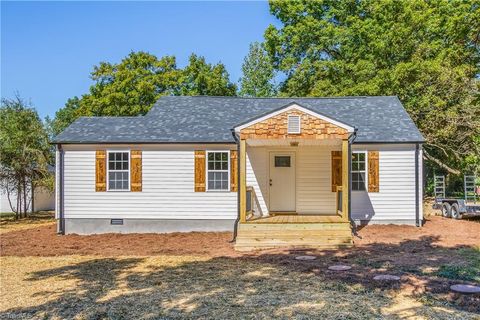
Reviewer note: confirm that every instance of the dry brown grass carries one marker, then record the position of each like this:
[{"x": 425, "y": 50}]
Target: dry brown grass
[
  {"x": 8, "y": 224},
  {"x": 83, "y": 287},
  {"x": 197, "y": 275}
]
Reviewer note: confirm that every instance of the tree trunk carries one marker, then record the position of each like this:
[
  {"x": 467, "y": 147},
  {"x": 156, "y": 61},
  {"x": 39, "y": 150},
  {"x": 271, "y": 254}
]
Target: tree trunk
[
  {"x": 32, "y": 191},
  {"x": 18, "y": 214},
  {"x": 24, "y": 197}
]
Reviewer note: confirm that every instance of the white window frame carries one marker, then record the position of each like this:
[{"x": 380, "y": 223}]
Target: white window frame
[
  {"x": 357, "y": 171},
  {"x": 207, "y": 171},
  {"x": 299, "y": 117},
  {"x": 108, "y": 170}
]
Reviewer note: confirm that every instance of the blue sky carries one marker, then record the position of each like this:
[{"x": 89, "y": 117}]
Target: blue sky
[{"x": 48, "y": 49}]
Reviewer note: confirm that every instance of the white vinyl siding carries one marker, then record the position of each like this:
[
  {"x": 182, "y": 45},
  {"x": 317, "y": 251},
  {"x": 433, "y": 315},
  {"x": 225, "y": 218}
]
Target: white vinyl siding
[
  {"x": 167, "y": 187},
  {"x": 396, "y": 198},
  {"x": 395, "y": 201},
  {"x": 168, "y": 184},
  {"x": 313, "y": 175},
  {"x": 314, "y": 191},
  {"x": 257, "y": 173}
]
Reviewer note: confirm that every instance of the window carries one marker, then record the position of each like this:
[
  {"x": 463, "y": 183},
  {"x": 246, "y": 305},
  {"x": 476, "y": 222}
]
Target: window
[
  {"x": 218, "y": 170},
  {"x": 282, "y": 161},
  {"x": 118, "y": 171},
  {"x": 293, "y": 124},
  {"x": 358, "y": 171}
]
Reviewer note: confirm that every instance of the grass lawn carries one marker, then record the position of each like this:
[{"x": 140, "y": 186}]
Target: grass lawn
[
  {"x": 124, "y": 284},
  {"x": 8, "y": 222}
]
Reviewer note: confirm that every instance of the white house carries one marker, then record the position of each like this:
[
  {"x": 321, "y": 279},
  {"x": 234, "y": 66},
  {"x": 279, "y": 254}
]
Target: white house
[
  {"x": 277, "y": 171},
  {"x": 43, "y": 200}
]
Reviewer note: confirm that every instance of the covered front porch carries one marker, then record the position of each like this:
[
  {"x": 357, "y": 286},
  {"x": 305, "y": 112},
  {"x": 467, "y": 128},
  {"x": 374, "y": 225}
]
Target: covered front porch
[{"x": 293, "y": 185}]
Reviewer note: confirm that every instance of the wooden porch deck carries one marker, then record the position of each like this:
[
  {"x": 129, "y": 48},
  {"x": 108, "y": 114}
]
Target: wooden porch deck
[{"x": 295, "y": 218}]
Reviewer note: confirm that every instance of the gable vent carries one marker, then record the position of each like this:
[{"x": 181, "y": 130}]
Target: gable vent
[{"x": 293, "y": 124}]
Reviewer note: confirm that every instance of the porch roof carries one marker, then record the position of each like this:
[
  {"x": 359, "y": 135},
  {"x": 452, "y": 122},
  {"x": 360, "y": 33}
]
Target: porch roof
[{"x": 204, "y": 119}]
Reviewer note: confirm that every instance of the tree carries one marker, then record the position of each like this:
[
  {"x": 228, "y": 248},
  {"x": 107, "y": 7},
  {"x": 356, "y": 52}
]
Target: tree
[
  {"x": 258, "y": 73},
  {"x": 131, "y": 87},
  {"x": 201, "y": 78},
  {"x": 64, "y": 116},
  {"x": 425, "y": 52},
  {"x": 25, "y": 153}
]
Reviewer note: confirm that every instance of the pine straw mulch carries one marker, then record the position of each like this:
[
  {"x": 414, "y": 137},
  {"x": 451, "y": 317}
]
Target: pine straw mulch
[{"x": 198, "y": 275}]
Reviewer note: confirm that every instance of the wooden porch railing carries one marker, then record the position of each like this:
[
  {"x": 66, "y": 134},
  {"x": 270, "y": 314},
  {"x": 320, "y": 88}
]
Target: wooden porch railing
[
  {"x": 252, "y": 205},
  {"x": 339, "y": 200}
]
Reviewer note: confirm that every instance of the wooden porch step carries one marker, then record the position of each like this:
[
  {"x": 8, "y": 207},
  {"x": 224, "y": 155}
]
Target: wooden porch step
[
  {"x": 301, "y": 241},
  {"x": 318, "y": 235},
  {"x": 292, "y": 245}
]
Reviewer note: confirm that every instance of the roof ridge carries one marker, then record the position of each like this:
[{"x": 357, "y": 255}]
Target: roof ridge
[
  {"x": 279, "y": 98},
  {"x": 109, "y": 117}
]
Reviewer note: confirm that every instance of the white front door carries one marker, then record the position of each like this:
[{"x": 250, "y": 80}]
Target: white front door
[{"x": 282, "y": 181}]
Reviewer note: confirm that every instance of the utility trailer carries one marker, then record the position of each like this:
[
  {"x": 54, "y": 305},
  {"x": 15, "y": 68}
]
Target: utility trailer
[{"x": 457, "y": 208}]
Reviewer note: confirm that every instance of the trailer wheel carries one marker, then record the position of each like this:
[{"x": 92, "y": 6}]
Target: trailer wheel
[
  {"x": 455, "y": 210},
  {"x": 446, "y": 210}
]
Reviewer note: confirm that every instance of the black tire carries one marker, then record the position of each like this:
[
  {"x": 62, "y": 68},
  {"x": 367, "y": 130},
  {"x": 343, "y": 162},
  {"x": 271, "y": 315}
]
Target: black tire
[
  {"x": 446, "y": 210},
  {"x": 455, "y": 211}
]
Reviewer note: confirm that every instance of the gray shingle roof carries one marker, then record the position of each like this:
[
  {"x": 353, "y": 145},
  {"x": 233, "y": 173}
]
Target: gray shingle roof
[{"x": 210, "y": 120}]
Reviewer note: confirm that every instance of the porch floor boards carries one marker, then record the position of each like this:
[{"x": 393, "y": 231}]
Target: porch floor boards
[{"x": 310, "y": 218}]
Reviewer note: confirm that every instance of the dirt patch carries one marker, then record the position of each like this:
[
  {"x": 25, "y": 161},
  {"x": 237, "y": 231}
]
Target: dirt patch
[
  {"x": 445, "y": 232},
  {"x": 43, "y": 240}
]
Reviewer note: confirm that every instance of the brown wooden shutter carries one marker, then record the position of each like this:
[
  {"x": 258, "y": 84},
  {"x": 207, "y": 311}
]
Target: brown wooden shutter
[
  {"x": 100, "y": 171},
  {"x": 373, "y": 171},
  {"x": 136, "y": 170},
  {"x": 200, "y": 171},
  {"x": 336, "y": 170},
  {"x": 233, "y": 170}
]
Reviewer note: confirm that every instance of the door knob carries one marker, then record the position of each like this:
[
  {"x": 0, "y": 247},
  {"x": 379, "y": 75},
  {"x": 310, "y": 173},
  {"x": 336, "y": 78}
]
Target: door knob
[{"x": 270, "y": 182}]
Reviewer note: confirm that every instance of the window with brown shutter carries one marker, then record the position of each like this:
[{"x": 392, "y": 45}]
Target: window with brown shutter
[
  {"x": 100, "y": 171},
  {"x": 233, "y": 170},
  {"x": 136, "y": 170},
  {"x": 373, "y": 171},
  {"x": 200, "y": 167},
  {"x": 336, "y": 170}
]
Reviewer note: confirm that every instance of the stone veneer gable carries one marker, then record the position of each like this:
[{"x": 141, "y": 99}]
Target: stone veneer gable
[{"x": 275, "y": 127}]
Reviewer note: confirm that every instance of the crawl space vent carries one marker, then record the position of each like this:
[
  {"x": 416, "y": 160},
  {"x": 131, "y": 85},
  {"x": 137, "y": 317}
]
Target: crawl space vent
[{"x": 116, "y": 222}]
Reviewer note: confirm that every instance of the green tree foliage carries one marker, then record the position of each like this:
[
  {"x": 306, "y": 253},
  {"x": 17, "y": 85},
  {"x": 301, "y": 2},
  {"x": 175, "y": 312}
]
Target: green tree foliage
[
  {"x": 258, "y": 73},
  {"x": 25, "y": 153},
  {"x": 425, "y": 52},
  {"x": 131, "y": 87},
  {"x": 204, "y": 79},
  {"x": 64, "y": 116}
]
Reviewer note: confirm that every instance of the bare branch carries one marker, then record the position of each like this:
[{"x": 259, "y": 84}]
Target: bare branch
[{"x": 441, "y": 164}]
